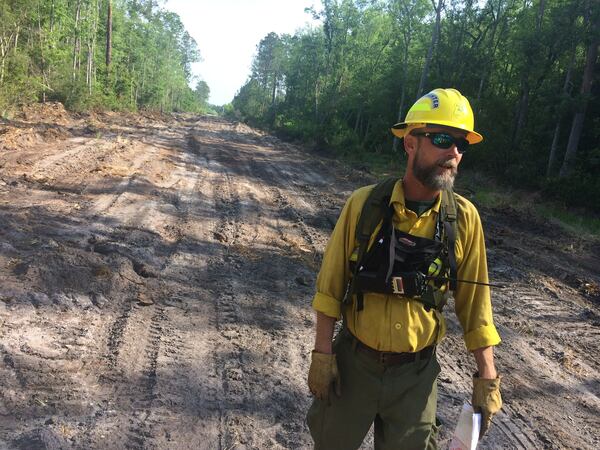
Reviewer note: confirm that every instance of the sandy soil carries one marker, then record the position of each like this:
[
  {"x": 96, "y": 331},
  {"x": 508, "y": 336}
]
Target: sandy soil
[{"x": 155, "y": 283}]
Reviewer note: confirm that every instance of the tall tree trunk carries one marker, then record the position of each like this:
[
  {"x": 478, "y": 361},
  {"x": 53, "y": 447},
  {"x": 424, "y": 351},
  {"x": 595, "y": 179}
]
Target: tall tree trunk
[
  {"x": 273, "y": 96},
  {"x": 109, "y": 35},
  {"x": 89, "y": 75},
  {"x": 367, "y": 129},
  {"x": 523, "y": 109},
  {"x": 358, "y": 120},
  {"x": 565, "y": 90},
  {"x": 77, "y": 40},
  {"x": 317, "y": 101},
  {"x": 488, "y": 66},
  {"x": 274, "y": 89},
  {"x": 577, "y": 125},
  {"x": 52, "y": 17},
  {"x": 17, "y": 31},
  {"x": 132, "y": 87},
  {"x": 42, "y": 54},
  {"x": 520, "y": 115},
  {"x": 434, "y": 39},
  {"x": 88, "y": 69},
  {"x": 2, "y": 59},
  {"x": 458, "y": 69},
  {"x": 540, "y": 17}
]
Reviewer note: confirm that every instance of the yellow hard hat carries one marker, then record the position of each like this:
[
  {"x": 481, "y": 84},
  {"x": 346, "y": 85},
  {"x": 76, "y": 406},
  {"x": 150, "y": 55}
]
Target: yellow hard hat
[{"x": 446, "y": 107}]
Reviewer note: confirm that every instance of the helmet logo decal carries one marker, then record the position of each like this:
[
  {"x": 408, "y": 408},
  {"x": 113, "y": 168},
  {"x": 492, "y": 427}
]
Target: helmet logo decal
[
  {"x": 435, "y": 100},
  {"x": 460, "y": 110}
]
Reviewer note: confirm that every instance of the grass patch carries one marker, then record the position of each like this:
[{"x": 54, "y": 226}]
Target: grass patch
[
  {"x": 381, "y": 165},
  {"x": 577, "y": 221},
  {"x": 484, "y": 191}
]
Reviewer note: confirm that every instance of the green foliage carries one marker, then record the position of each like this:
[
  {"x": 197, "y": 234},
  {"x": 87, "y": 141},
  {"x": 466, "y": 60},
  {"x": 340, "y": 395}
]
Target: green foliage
[
  {"x": 202, "y": 92},
  {"x": 56, "y": 51},
  {"x": 576, "y": 190},
  {"x": 251, "y": 102},
  {"x": 487, "y": 192},
  {"x": 340, "y": 86}
]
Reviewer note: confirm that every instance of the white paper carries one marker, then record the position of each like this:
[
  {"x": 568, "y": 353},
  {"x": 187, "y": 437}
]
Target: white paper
[{"x": 466, "y": 433}]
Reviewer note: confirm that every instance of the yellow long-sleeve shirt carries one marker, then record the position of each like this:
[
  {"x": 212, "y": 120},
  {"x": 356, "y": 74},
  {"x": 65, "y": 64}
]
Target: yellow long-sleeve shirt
[{"x": 396, "y": 324}]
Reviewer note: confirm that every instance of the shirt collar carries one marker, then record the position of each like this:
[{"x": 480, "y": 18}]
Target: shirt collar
[{"x": 398, "y": 197}]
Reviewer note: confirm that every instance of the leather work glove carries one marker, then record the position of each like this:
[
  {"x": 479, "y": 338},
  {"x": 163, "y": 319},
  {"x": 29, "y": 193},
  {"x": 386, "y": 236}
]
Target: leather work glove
[
  {"x": 323, "y": 371},
  {"x": 486, "y": 400}
]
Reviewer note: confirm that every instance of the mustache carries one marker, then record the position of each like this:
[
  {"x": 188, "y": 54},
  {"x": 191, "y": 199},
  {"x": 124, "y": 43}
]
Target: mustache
[{"x": 451, "y": 162}]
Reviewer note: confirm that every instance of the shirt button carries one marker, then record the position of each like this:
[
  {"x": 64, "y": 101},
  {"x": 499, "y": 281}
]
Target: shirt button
[{"x": 398, "y": 326}]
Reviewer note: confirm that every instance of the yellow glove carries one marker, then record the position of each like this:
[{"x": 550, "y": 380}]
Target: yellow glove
[
  {"x": 323, "y": 371},
  {"x": 486, "y": 400}
]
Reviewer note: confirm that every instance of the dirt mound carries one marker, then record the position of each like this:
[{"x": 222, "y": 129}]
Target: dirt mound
[
  {"x": 15, "y": 137},
  {"x": 35, "y": 124},
  {"x": 50, "y": 112}
]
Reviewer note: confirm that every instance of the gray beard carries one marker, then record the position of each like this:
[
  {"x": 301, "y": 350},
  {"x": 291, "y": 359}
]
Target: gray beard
[{"x": 429, "y": 177}]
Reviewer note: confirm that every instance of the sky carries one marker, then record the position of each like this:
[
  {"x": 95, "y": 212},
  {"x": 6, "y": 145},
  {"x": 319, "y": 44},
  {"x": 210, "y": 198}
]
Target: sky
[{"x": 228, "y": 31}]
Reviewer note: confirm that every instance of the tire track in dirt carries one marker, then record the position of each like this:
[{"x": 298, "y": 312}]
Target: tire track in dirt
[
  {"x": 228, "y": 369},
  {"x": 250, "y": 318},
  {"x": 142, "y": 423},
  {"x": 115, "y": 335},
  {"x": 180, "y": 383},
  {"x": 140, "y": 336}
]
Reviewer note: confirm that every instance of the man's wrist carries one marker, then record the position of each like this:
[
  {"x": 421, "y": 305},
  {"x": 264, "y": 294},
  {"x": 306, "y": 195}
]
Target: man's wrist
[
  {"x": 323, "y": 349},
  {"x": 484, "y": 357},
  {"x": 487, "y": 374}
]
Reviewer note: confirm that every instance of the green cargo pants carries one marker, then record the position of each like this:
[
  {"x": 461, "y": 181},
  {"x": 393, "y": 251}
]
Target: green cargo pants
[{"x": 401, "y": 400}]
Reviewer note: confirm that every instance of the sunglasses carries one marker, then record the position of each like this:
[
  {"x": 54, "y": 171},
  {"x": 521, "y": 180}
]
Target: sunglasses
[{"x": 445, "y": 141}]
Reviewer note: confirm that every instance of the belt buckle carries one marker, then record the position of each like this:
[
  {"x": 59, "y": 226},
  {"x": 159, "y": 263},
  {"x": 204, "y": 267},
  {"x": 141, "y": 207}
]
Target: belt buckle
[{"x": 397, "y": 285}]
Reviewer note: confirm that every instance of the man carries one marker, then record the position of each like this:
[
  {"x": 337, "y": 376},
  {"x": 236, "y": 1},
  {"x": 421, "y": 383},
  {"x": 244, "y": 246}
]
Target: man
[{"x": 382, "y": 366}]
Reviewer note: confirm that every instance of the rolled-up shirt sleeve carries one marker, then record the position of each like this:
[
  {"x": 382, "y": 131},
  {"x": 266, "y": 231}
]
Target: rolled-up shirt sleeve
[
  {"x": 335, "y": 269},
  {"x": 473, "y": 302}
]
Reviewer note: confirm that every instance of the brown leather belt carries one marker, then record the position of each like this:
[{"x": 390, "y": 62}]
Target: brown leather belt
[{"x": 393, "y": 358}]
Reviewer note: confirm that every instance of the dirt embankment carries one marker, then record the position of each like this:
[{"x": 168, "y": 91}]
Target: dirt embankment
[{"x": 155, "y": 282}]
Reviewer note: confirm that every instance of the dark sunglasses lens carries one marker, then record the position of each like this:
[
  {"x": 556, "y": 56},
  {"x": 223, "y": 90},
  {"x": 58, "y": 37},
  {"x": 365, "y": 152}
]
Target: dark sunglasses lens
[
  {"x": 445, "y": 141},
  {"x": 442, "y": 140},
  {"x": 462, "y": 145}
]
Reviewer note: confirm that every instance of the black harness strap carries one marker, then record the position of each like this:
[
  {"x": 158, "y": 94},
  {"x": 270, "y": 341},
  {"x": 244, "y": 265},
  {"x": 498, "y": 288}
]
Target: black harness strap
[
  {"x": 389, "y": 222},
  {"x": 449, "y": 216},
  {"x": 373, "y": 211}
]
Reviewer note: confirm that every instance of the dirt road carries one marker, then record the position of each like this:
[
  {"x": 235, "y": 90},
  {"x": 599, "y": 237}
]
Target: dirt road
[{"x": 155, "y": 281}]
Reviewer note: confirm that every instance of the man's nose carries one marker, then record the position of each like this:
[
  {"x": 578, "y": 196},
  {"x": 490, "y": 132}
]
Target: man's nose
[{"x": 453, "y": 151}]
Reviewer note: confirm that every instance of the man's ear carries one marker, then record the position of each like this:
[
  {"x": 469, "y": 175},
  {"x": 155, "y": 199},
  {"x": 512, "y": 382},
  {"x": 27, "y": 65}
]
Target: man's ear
[{"x": 410, "y": 144}]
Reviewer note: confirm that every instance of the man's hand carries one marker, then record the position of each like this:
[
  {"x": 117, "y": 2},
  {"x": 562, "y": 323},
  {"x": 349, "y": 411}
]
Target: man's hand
[
  {"x": 323, "y": 371},
  {"x": 486, "y": 400}
]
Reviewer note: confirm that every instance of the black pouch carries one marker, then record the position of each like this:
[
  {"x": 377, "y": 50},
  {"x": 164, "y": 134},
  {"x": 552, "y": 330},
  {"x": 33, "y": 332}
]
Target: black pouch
[
  {"x": 414, "y": 252},
  {"x": 397, "y": 262}
]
